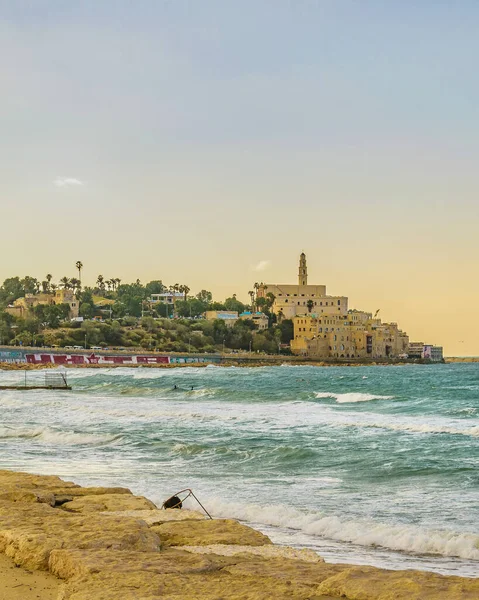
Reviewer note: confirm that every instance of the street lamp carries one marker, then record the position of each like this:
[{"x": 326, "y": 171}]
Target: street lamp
[
  {"x": 189, "y": 344},
  {"x": 250, "y": 342},
  {"x": 224, "y": 345}
]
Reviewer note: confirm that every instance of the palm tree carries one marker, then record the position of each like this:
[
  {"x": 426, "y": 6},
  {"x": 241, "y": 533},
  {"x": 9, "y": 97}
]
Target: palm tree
[
  {"x": 310, "y": 305},
  {"x": 100, "y": 281},
  {"x": 186, "y": 289},
  {"x": 75, "y": 283},
  {"x": 251, "y": 294},
  {"x": 79, "y": 266},
  {"x": 176, "y": 289},
  {"x": 45, "y": 287},
  {"x": 65, "y": 283},
  {"x": 53, "y": 287},
  {"x": 49, "y": 278}
]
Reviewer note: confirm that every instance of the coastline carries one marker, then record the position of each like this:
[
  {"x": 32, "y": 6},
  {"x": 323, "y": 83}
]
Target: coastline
[
  {"x": 224, "y": 362},
  {"x": 108, "y": 543}
]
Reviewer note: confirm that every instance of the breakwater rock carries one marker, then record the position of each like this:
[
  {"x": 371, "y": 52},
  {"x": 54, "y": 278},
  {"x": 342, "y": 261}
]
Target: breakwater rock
[{"x": 107, "y": 544}]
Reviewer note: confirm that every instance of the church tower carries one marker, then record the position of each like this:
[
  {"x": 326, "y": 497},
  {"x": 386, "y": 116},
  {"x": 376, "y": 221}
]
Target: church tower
[{"x": 303, "y": 270}]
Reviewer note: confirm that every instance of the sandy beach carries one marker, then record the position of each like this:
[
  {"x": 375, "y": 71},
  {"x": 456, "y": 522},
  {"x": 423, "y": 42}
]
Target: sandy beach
[
  {"x": 67, "y": 542},
  {"x": 21, "y": 584}
]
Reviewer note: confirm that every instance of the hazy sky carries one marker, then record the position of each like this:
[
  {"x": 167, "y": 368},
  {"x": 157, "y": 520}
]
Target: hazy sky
[{"x": 191, "y": 141}]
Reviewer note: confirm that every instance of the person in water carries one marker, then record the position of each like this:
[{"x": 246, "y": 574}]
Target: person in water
[{"x": 175, "y": 387}]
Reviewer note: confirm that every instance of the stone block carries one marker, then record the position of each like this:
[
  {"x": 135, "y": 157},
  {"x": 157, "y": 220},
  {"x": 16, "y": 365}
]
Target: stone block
[
  {"x": 268, "y": 551},
  {"x": 73, "y": 562},
  {"x": 216, "y": 585},
  {"x": 109, "y": 502},
  {"x": 209, "y": 531},
  {"x": 370, "y": 583},
  {"x": 29, "y": 542},
  {"x": 156, "y": 517}
]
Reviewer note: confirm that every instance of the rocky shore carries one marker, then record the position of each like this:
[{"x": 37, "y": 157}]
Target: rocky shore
[{"x": 107, "y": 544}]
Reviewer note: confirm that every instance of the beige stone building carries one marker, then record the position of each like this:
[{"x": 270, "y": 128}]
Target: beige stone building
[
  {"x": 260, "y": 320},
  {"x": 326, "y": 336},
  {"x": 22, "y": 306},
  {"x": 291, "y": 300},
  {"x": 325, "y": 327},
  {"x": 228, "y": 316}
]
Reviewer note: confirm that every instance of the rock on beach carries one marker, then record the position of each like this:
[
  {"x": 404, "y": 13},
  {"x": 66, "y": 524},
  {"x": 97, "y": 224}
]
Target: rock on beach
[{"x": 108, "y": 544}]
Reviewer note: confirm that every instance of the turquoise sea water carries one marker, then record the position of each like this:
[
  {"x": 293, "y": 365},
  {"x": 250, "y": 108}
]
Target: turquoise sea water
[{"x": 373, "y": 465}]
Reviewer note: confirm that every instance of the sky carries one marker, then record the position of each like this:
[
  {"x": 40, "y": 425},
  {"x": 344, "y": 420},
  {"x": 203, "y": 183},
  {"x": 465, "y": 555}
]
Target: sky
[{"x": 209, "y": 142}]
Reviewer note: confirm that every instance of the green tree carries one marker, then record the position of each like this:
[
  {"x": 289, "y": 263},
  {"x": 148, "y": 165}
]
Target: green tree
[
  {"x": 287, "y": 331},
  {"x": 30, "y": 285},
  {"x": 234, "y": 304},
  {"x": 191, "y": 308},
  {"x": 11, "y": 289},
  {"x": 205, "y": 297}
]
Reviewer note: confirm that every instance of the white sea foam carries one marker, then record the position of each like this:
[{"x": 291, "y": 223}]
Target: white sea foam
[
  {"x": 352, "y": 397},
  {"x": 53, "y": 436},
  {"x": 403, "y": 538},
  {"x": 424, "y": 428}
]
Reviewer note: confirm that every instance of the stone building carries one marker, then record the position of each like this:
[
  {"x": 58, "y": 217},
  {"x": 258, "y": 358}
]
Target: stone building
[
  {"x": 324, "y": 326},
  {"x": 291, "y": 300},
  {"x": 22, "y": 306},
  {"x": 341, "y": 336}
]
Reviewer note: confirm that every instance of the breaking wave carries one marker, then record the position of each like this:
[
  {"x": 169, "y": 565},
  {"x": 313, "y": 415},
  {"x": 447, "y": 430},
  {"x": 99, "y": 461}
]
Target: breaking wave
[
  {"x": 352, "y": 397},
  {"x": 402, "y": 538},
  {"x": 52, "y": 436},
  {"x": 411, "y": 427}
]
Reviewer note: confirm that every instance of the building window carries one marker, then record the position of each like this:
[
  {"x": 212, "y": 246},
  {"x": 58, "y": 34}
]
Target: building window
[{"x": 339, "y": 301}]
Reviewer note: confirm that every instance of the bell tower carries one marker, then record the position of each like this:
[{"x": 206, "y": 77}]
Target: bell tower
[{"x": 303, "y": 270}]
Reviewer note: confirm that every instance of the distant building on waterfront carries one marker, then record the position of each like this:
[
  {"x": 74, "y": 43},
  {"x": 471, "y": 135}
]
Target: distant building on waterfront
[
  {"x": 420, "y": 350},
  {"x": 22, "y": 306},
  {"x": 354, "y": 335},
  {"x": 325, "y": 327}
]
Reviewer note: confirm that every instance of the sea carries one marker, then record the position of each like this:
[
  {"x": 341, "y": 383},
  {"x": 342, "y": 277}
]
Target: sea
[{"x": 375, "y": 465}]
